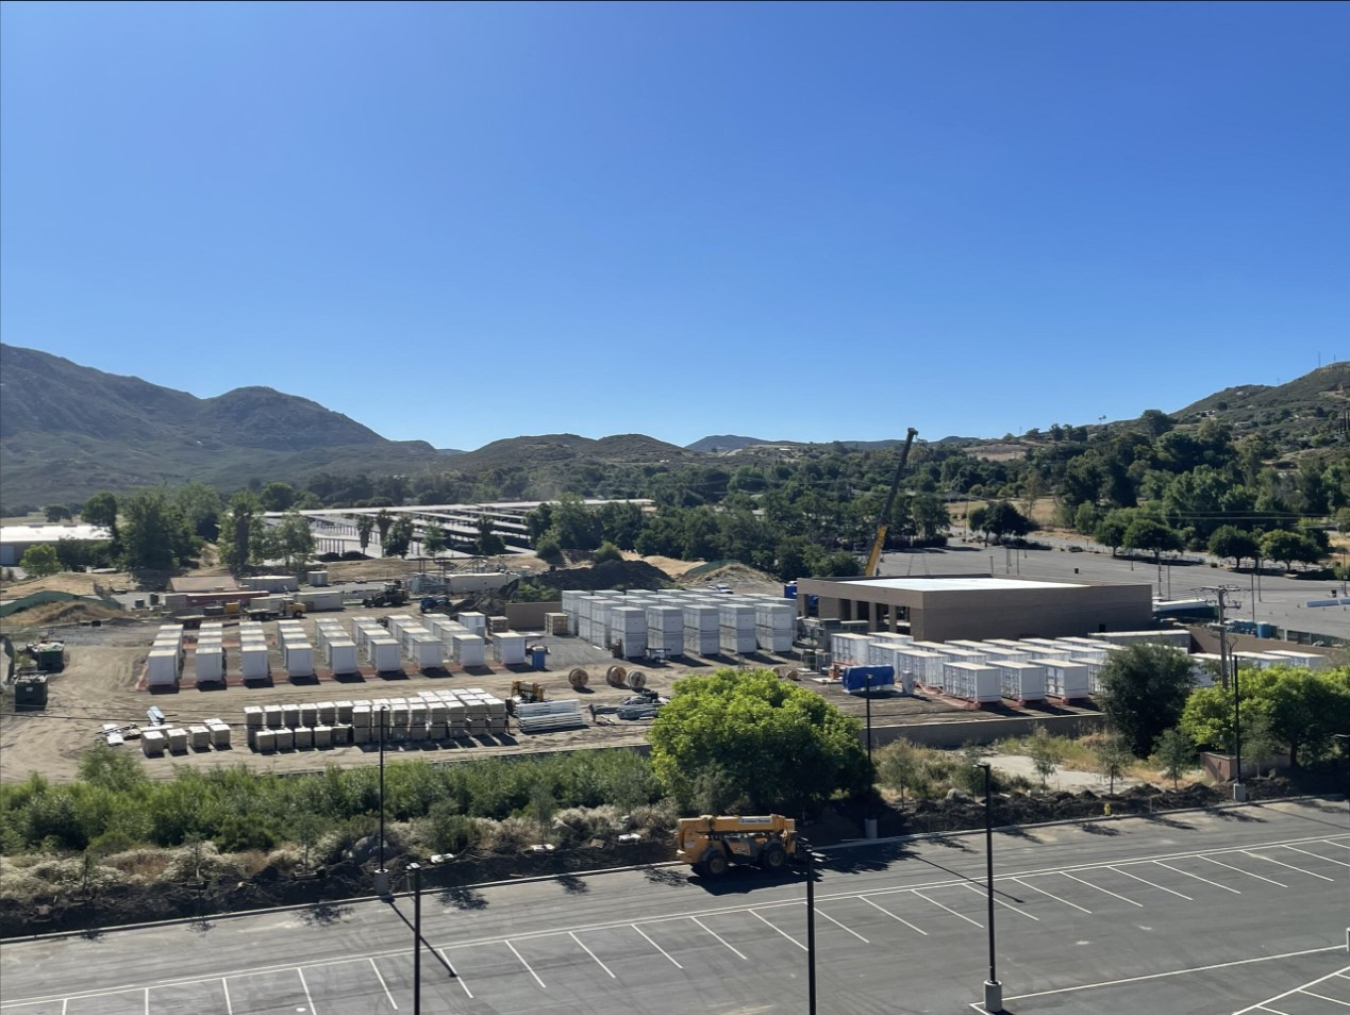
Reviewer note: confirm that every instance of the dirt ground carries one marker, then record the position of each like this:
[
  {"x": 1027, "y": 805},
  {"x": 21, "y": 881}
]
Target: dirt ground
[
  {"x": 77, "y": 583},
  {"x": 103, "y": 683}
]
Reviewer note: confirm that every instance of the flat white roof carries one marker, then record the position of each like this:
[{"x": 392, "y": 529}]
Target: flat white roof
[
  {"x": 49, "y": 533},
  {"x": 959, "y": 584}
]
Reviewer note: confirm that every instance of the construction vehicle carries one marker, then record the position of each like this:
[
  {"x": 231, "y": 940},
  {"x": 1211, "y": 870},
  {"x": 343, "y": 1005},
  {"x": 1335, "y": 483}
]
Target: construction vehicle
[
  {"x": 711, "y": 844},
  {"x": 393, "y": 594},
  {"x": 292, "y": 611},
  {"x": 884, "y": 519}
]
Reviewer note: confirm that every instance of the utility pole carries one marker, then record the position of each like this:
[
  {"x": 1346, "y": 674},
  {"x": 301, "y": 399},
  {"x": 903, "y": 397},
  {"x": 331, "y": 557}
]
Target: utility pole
[{"x": 1228, "y": 666}]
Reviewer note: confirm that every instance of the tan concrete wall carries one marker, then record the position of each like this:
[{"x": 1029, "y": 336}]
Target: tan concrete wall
[{"x": 530, "y": 616}]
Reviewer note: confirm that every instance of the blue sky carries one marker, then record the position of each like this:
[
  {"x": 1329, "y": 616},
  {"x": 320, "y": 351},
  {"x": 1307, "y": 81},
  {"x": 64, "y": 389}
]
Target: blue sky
[{"x": 464, "y": 222}]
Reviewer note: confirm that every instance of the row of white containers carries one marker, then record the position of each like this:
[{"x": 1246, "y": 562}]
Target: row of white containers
[
  {"x": 165, "y": 663},
  {"x": 431, "y": 715},
  {"x": 175, "y": 740},
  {"x": 671, "y": 623},
  {"x": 1026, "y": 670}
]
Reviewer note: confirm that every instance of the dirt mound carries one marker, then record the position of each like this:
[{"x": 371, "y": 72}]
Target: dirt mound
[
  {"x": 77, "y": 583},
  {"x": 738, "y": 576},
  {"x": 55, "y": 614},
  {"x": 631, "y": 574}
]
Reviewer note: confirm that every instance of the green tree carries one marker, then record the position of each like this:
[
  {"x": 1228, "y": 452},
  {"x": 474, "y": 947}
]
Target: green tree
[
  {"x": 56, "y": 512},
  {"x": 576, "y": 525},
  {"x": 1147, "y": 534},
  {"x": 1113, "y": 758},
  {"x": 199, "y": 505},
  {"x": 779, "y": 746},
  {"x": 1156, "y": 422},
  {"x": 607, "y": 552},
  {"x": 1175, "y": 754},
  {"x": 1043, "y": 754},
  {"x": 365, "y": 525},
  {"x": 398, "y": 540},
  {"x": 489, "y": 543},
  {"x": 433, "y": 538},
  {"x": 155, "y": 534},
  {"x": 1230, "y": 541},
  {"x": 236, "y": 549},
  {"x": 931, "y": 518},
  {"x": 277, "y": 496},
  {"x": 1145, "y": 688},
  {"x": 899, "y": 766},
  {"x": 1110, "y": 531},
  {"x": 295, "y": 540},
  {"x": 998, "y": 520},
  {"x": 546, "y": 548},
  {"x": 1289, "y": 547},
  {"x": 384, "y": 521},
  {"x": 101, "y": 510},
  {"x": 40, "y": 560}
]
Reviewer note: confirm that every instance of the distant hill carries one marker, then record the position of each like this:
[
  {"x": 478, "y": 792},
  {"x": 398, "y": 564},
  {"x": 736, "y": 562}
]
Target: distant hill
[
  {"x": 553, "y": 450},
  {"x": 726, "y": 442},
  {"x": 1290, "y": 415},
  {"x": 67, "y": 431}
]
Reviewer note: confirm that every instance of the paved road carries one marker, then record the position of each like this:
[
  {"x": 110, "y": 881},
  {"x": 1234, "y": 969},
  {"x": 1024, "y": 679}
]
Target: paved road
[
  {"x": 1207, "y": 913},
  {"x": 1281, "y": 600}
]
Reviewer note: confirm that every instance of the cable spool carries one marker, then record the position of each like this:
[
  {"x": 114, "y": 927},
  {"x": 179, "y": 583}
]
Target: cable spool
[
  {"x": 787, "y": 673},
  {"x": 637, "y": 680},
  {"x": 578, "y": 678},
  {"x": 616, "y": 676}
]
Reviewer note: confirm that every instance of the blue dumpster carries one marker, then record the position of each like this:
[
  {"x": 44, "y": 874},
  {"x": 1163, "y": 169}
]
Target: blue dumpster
[{"x": 537, "y": 655}]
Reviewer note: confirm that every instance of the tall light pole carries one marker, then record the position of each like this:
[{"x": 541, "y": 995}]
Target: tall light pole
[
  {"x": 1228, "y": 667},
  {"x": 993, "y": 990},
  {"x": 810, "y": 855},
  {"x": 870, "y": 822}
]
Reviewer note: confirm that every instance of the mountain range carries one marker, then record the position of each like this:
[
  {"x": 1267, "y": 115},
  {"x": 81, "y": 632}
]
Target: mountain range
[{"x": 67, "y": 431}]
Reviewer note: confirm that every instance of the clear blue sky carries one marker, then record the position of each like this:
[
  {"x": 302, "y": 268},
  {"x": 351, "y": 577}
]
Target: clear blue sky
[{"x": 465, "y": 222}]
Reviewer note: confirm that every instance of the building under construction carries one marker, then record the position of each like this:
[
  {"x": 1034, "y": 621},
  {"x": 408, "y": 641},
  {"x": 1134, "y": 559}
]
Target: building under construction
[{"x": 943, "y": 609}]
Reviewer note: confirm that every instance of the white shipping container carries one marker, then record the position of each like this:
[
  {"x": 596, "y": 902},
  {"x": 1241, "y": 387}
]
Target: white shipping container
[
  {"x": 1021, "y": 681},
  {"x": 772, "y": 639},
  {"x": 341, "y": 654},
  {"x": 739, "y": 616},
  {"x": 384, "y": 655},
  {"x": 299, "y": 660},
  {"x": 739, "y": 640},
  {"x": 1304, "y": 660},
  {"x": 1064, "y": 678},
  {"x": 162, "y": 667},
  {"x": 469, "y": 649},
  {"x": 253, "y": 662},
  {"x": 210, "y": 664}
]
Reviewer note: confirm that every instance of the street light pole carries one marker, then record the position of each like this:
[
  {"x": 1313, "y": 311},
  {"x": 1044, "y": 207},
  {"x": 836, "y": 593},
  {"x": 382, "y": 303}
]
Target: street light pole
[
  {"x": 870, "y": 822},
  {"x": 810, "y": 926},
  {"x": 993, "y": 990},
  {"x": 416, "y": 869}
]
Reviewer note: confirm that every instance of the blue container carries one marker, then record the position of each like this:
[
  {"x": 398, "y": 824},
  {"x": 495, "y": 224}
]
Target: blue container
[
  {"x": 537, "y": 655},
  {"x": 860, "y": 678},
  {"x": 1264, "y": 630},
  {"x": 790, "y": 590}
]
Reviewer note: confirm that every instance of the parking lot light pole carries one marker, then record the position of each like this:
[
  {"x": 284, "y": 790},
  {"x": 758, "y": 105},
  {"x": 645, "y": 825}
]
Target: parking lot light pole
[
  {"x": 1344, "y": 738},
  {"x": 805, "y": 848},
  {"x": 416, "y": 869},
  {"x": 993, "y": 990}
]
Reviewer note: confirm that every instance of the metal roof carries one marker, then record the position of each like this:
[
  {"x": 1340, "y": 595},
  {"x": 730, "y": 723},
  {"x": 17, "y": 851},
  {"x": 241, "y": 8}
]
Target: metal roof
[
  {"x": 959, "y": 584},
  {"x": 49, "y": 533}
]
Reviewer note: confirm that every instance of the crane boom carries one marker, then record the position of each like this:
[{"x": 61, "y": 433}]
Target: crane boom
[{"x": 883, "y": 520}]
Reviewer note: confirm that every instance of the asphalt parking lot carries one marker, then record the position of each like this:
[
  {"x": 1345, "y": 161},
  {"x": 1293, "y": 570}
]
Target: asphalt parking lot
[{"x": 1239, "y": 911}]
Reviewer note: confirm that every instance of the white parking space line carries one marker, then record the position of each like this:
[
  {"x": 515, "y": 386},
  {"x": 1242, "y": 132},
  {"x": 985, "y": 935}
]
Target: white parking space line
[
  {"x": 662, "y": 950},
  {"x": 714, "y": 934},
  {"x": 1050, "y": 895},
  {"x": 1301, "y": 989},
  {"x": 821, "y": 912},
  {"x": 392, "y": 1003},
  {"x": 147, "y": 1001},
  {"x": 1259, "y": 877},
  {"x": 1145, "y": 881},
  {"x": 1330, "y": 843},
  {"x": 1271, "y": 859},
  {"x": 309, "y": 999},
  {"x": 1323, "y": 997},
  {"x": 525, "y": 964},
  {"x": 229, "y": 1007},
  {"x": 1317, "y": 856},
  {"x": 1273, "y": 1011},
  {"x": 776, "y": 929},
  {"x": 1186, "y": 972},
  {"x": 950, "y": 910},
  {"x": 984, "y": 893},
  {"x": 458, "y": 979},
  {"x": 1105, "y": 891},
  {"x": 1197, "y": 877},
  {"x": 592, "y": 955},
  {"x": 911, "y": 926}
]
